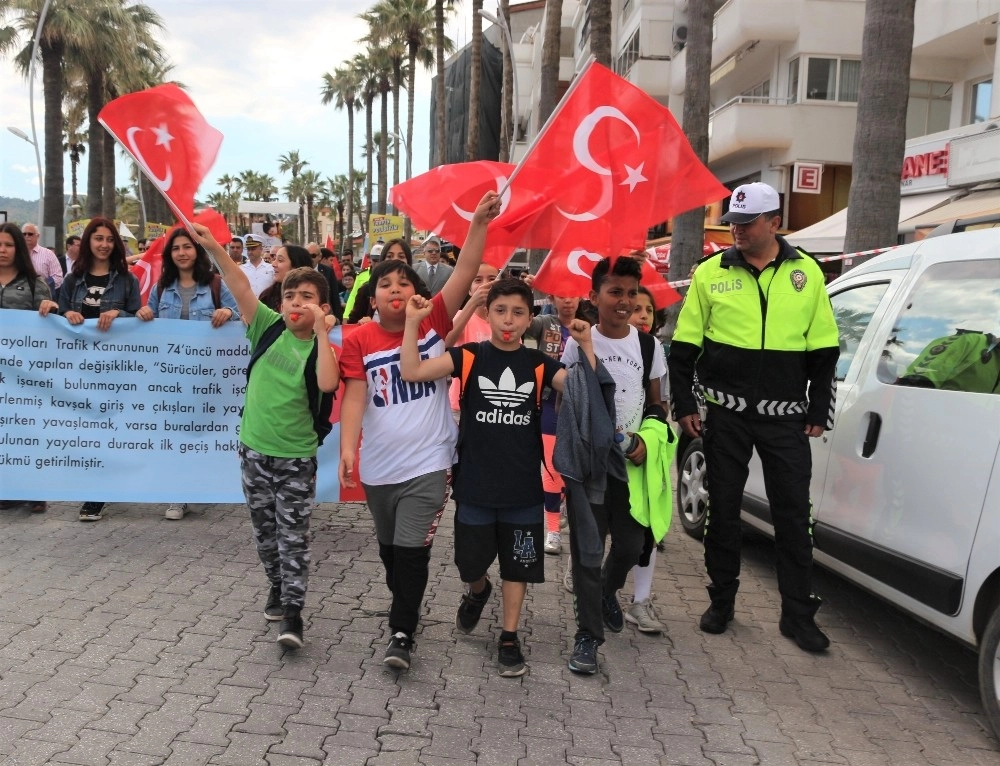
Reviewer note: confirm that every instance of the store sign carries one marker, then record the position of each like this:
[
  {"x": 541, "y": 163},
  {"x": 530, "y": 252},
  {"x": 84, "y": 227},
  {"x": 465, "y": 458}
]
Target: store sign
[
  {"x": 974, "y": 159},
  {"x": 925, "y": 168},
  {"x": 807, "y": 177}
]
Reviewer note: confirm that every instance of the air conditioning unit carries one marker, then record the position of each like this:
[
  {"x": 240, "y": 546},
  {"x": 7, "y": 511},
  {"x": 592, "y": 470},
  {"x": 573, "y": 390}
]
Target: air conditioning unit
[{"x": 680, "y": 34}]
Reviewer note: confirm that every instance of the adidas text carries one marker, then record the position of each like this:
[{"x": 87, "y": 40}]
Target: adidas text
[{"x": 507, "y": 418}]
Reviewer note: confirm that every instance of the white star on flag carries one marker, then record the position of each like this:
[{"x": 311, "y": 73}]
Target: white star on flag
[
  {"x": 163, "y": 137},
  {"x": 635, "y": 177}
]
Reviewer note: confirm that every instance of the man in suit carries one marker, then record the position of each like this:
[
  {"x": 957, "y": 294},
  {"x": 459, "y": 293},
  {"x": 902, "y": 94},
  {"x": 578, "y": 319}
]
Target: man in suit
[{"x": 432, "y": 269}]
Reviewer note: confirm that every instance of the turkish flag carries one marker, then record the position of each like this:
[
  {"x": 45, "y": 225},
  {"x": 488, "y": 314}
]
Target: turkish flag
[
  {"x": 338, "y": 270},
  {"x": 611, "y": 162},
  {"x": 444, "y": 199},
  {"x": 148, "y": 268},
  {"x": 566, "y": 271},
  {"x": 169, "y": 140}
]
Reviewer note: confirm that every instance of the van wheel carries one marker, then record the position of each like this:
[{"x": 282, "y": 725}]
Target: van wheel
[
  {"x": 692, "y": 490},
  {"x": 989, "y": 670}
]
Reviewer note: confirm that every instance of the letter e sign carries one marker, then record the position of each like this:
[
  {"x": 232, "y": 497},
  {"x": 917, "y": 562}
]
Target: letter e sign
[{"x": 808, "y": 176}]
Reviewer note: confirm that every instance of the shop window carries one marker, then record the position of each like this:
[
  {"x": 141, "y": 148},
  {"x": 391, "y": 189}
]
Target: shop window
[{"x": 826, "y": 79}]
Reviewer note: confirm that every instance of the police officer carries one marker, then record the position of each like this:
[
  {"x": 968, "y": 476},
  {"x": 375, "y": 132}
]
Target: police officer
[{"x": 758, "y": 328}]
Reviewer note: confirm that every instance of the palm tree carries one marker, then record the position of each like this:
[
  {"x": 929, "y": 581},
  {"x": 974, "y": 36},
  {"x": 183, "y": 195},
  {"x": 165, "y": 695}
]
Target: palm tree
[
  {"x": 440, "y": 8},
  {"x": 291, "y": 162},
  {"x": 390, "y": 42},
  {"x": 508, "y": 126},
  {"x": 688, "y": 238},
  {"x": 66, "y": 29},
  {"x": 342, "y": 88},
  {"x": 368, "y": 79},
  {"x": 550, "y": 60},
  {"x": 340, "y": 195},
  {"x": 880, "y": 137},
  {"x": 312, "y": 187},
  {"x": 600, "y": 31},
  {"x": 476, "y": 77},
  {"x": 75, "y": 144}
]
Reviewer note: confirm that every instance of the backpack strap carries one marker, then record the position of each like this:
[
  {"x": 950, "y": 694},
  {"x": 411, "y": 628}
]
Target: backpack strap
[
  {"x": 647, "y": 345},
  {"x": 468, "y": 359},
  {"x": 217, "y": 291},
  {"x": 267, "y": 339},
  {"x": 539, "y": 377}
]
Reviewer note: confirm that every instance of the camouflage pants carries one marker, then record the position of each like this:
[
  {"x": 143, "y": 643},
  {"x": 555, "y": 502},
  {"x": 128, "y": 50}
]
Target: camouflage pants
[{"x": 278, "y": 492}]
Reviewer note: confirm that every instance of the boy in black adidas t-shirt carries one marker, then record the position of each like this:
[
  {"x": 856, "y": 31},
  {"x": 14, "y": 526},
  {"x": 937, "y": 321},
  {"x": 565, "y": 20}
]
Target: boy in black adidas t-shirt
[{"x": 497, "y": 485}]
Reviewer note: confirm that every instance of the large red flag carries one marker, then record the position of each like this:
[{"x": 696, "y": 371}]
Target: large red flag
[
  {"x": 443, "y": 200},
  {"x": 566, "y": 271},
  {"x": 169, "y": 140},
  {"x": 611, "y": 163}
]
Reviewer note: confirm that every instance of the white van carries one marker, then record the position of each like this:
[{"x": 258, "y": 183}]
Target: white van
[{"x": 906, "y": 487}]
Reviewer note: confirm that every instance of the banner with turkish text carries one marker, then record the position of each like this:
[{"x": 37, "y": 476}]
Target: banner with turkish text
[{"x": 145, "y": 412}]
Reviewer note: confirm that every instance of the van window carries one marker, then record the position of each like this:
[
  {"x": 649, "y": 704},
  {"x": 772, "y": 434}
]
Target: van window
[
  {"x": 853, "y": 309},
  {"x": 947, "y": 335}
]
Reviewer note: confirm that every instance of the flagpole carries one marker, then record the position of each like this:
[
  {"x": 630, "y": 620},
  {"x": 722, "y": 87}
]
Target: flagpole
[{"x": 538, "y": 137}]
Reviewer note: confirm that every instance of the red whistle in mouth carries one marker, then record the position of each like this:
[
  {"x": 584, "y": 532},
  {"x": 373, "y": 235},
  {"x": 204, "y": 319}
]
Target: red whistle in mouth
[
  {"x": 506, "y": 337},
  {"x": 295, "y": 317},
  {"x": 396, "y": 304}
]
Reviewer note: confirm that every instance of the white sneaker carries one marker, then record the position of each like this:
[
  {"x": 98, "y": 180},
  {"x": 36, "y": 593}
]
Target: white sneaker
[
  {"x": 175, "y": 512},
  {"x": 643, "y": 615},
  {"x": 553, "y": 543}
]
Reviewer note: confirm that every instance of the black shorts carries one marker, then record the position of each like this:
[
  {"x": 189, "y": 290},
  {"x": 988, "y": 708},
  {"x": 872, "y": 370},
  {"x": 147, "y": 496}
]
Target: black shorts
[{"x": 515, "y": 536}]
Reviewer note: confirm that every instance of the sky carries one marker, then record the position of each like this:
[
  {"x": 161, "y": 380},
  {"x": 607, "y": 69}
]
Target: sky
[{"x": 254, "y": 69}]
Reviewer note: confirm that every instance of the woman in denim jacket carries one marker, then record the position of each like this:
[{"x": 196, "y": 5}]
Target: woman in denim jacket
[
  {"x": 187, "y": 288},
  {"x": 100, "y": 286}
]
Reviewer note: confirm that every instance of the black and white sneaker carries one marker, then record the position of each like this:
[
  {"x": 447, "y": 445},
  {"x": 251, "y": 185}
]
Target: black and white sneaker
[
  {"x": 291, "y": 629},
  {"x": 273, "y": 610},
  {"x": 510, "y": 661},
  {"x": 584, "y": 657},
  {"x": 611, "y": 611},
  {"x": 471, "y": 608},
  {"x": 397, "y": 655}
]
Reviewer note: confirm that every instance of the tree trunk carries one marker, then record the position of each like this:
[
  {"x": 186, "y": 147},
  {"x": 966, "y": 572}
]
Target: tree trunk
[
  {"x": 600, "y": 31},
  {"x": 397, "y": 73},
  {"x": 110, "y": 204},
  {"x": 383, "y": 152},
  {"x": 410, "y": 98},
  {"x": 880, "y": 135},
  {"x": 475, "y": 78},
  {"x": 95, "y": 150},
  {"x": 350, "y": 175},
  {"x": 688, "y": 237},
  {"x": 550, "y": 60},
  {"x": 508, "y": 116},
  {"x": 371, "y": 151},
  {"x": 440, "y": 95},
  {"x": 53, "y": 200}
]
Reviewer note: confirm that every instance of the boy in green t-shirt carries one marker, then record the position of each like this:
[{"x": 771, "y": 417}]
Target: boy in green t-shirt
[{"x": 277, "y": 440}]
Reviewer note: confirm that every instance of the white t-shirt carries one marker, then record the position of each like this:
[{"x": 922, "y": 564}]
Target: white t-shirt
[
  {"x": 623, "y": 359},
  {"x": 407, "y": 429},
  {"x": 261, "y": 276}
]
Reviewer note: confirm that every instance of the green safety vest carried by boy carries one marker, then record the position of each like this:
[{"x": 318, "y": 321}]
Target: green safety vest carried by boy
[{"x": 966, "y": 361}]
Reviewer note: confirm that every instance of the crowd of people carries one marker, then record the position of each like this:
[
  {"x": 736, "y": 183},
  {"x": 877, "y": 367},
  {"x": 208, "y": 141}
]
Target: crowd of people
[{"x": 452, "y": 386}]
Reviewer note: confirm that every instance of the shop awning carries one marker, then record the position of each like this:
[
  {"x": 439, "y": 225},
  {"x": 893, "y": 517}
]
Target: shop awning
[
  {"x": 973, "y": 205},
  {"x": 827, "y": 236}
]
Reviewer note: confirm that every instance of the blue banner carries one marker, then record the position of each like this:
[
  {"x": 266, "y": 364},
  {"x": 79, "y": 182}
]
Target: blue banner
[{"x": 145, "y": 412}]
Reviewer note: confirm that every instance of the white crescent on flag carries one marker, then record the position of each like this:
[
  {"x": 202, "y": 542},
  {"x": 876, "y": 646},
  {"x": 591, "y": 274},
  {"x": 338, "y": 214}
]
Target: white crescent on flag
[{"x": 164, "y": 183}]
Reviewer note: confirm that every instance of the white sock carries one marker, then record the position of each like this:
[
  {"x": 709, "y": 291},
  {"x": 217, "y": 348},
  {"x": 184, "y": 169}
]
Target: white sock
[{"x": 643, "y": 577}]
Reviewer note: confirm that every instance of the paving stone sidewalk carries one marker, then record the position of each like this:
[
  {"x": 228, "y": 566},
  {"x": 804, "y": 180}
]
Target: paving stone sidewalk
[{"x": 139, "y": 641}]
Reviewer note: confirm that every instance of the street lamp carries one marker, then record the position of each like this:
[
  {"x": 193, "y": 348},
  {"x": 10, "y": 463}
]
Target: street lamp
[
  {"x": 41, "y": 183},
  {"x": 501, "y": 22}
]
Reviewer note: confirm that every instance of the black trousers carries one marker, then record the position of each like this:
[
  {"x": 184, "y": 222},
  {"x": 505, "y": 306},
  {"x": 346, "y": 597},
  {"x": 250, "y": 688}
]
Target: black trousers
[
  {"x": 591, "y": 584},
  {"x": 783, "y": 447}
]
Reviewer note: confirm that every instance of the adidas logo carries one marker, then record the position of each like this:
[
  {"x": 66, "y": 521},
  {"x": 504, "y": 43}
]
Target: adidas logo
[{"x": 506, "y": 394}]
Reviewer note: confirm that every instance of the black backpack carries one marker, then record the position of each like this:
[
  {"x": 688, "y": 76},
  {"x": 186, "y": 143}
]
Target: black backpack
[{"x": 320, "y": 402}]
